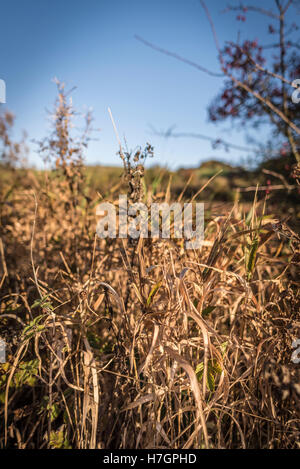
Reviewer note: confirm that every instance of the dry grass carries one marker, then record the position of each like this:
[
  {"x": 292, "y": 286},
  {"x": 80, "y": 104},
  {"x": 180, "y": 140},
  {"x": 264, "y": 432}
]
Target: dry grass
[{"x": 122, "y": 344}]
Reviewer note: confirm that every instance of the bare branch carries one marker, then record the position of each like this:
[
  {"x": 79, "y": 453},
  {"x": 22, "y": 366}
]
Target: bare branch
[
  {"x": 259, "y": 67},
  {"x": 178, "y": 57},
  {"x": 243, "y": 85},
  {"x": 170, "y": 134},
  {"x": 244, "y": 8},
  {"x": 267, "y": 104},
  {"x": 275, "y": 46}
]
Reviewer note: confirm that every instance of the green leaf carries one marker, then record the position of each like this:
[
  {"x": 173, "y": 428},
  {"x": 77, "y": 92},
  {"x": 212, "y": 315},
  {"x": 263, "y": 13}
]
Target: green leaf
[
  {"x": 33, "y": 327},
  {"x": 43, "y": 303},
  {"x": 223, "y": 348},
  {"x": 199, "y": 370},
  {"x": 58, "y": 440},
  {"x": 153, "y": 293},
  {"x": 250, "y": 257},
  {"x": 208, "y": 310},
  {"x": 210, "y": 380},
  {"x": 213, "y": 370}
]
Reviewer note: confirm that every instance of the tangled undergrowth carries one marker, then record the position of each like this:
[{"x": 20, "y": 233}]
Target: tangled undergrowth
[{"x": 118, "y": 343}]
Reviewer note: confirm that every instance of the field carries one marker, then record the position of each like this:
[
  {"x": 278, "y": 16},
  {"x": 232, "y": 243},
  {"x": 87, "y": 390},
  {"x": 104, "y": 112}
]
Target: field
[{"x": 141, "y": 343}]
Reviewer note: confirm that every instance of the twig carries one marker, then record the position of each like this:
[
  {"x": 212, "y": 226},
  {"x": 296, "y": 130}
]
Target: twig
[
  {"x": 31, "y": 247},
  {"x": 178, "y": 57},
  {"x": 265, "y": 188}
]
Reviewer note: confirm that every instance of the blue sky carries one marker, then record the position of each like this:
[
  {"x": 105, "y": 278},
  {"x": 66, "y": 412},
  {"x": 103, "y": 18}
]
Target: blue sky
[{"x": 90, "y": 44}]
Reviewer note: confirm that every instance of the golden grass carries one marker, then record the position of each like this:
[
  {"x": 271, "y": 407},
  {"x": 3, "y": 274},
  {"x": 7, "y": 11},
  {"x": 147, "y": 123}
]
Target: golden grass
[{"x": 143, "y": 344}]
